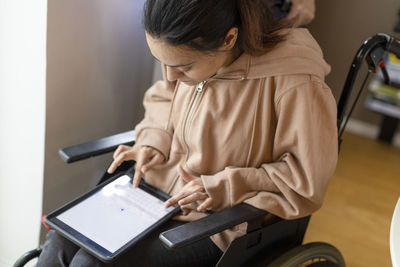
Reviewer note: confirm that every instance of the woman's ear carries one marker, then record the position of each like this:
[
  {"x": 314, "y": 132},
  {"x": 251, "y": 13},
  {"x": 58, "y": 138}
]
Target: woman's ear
[{"x": 230, "y": 39}]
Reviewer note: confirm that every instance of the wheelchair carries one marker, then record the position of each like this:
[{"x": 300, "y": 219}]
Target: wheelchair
[{"x": 279, "y": 243}]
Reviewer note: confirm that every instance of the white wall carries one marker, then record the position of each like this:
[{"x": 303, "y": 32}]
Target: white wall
[{"x": 22, "y": 124}]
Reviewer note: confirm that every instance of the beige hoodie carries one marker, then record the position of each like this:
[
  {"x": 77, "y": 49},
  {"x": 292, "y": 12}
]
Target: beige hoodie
[{"x": 263, "y": 131}]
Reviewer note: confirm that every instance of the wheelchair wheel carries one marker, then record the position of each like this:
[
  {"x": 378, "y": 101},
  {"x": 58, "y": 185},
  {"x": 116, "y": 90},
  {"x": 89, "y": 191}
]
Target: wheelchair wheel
[{"x": 311, "y": 255}]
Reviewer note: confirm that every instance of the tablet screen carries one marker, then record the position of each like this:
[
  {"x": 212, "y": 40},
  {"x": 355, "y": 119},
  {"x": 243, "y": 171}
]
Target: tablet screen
[{"x": 115, "y": 214}]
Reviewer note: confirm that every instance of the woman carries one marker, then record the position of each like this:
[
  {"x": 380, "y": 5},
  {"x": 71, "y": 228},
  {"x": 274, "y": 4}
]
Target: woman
[{"x": 243, "y": 115}]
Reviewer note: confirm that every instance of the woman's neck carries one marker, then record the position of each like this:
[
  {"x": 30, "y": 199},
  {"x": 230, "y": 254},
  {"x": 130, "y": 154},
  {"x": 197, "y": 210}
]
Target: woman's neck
[{"x": 234, "y": 54}]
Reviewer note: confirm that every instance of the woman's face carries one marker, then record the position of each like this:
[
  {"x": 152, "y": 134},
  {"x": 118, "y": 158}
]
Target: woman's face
[{"x": 187, "y": 65}]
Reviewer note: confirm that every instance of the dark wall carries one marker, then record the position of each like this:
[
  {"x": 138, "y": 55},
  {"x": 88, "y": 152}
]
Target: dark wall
[
  {"x": 98, "y": 67},
  {"x": 341, "y": 26}
]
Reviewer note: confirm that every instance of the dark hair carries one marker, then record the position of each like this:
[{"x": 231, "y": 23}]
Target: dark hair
[{"x": 203, "y": 24}]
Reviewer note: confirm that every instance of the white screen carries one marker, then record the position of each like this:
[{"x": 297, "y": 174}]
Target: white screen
[{"x": 115, "y": 214}]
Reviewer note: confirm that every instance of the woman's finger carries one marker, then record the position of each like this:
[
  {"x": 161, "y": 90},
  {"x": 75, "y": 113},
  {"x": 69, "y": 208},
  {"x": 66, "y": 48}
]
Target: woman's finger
[
  {"x": 173, "y": 200},
  {"x": 197, "y": 196},
  {"x": 121, "y": 154},
  {"x": 191, "y": 192},
  {"x": 143, "y": 156},
  {"x": 155, "y": 160},
  {"x": 186, "y": 191},
  {"x": 205, "y": 205},
  {"x": 117, "y": 161},
  {"x": 119, "y": 150},
  {"x": 138, "y": 173}
]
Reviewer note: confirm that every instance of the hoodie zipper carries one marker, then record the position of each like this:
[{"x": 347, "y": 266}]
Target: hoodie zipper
[{"x": 199, "y": 90}]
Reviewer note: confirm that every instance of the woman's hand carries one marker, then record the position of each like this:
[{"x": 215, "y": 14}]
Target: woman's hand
[
  {"x": 302, "y": 12},
  {"x": 193, "y": 191},
  {"x": 145, "y": 157}
]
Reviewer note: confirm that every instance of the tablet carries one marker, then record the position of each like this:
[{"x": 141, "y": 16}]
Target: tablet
[{"x": 112, "y": 217}]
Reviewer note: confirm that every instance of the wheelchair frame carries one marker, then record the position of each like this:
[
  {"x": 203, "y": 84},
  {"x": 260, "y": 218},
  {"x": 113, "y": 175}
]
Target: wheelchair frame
[{"x": 282, "y": 239}]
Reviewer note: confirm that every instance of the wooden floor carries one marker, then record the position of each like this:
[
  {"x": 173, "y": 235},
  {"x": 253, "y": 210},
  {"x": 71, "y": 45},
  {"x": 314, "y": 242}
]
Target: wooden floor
[{"x": 359, "y": 204}]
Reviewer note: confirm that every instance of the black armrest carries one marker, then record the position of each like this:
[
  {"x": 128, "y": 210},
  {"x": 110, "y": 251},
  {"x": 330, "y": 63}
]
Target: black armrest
[
  {"x": 212, "y": 224},
  {"x": 97, "y": 147}
]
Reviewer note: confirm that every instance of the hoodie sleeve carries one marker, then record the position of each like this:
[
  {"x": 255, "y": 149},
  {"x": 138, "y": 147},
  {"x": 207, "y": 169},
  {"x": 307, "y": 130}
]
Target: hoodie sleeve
[
  {"x": 154, "y": 130},
  {"x": 304, "y": 153}
]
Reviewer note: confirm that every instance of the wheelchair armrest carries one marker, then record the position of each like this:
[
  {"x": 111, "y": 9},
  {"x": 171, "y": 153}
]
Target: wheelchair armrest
[
  {"x": 97, "y": 147},
  {"x": 212, "y": 224},
  {"x": 28, "y": 256}
]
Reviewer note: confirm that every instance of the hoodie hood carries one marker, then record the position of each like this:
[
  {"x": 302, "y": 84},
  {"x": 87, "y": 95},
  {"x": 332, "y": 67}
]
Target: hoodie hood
[{"x": 299, "y": 53}]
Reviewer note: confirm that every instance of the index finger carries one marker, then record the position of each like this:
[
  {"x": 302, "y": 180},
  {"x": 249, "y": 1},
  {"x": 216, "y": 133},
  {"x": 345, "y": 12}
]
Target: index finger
[
  {"x": 119, "y": 150},
  {"x": 116, "y": 162},
  {"x": 138, "y": 171}
]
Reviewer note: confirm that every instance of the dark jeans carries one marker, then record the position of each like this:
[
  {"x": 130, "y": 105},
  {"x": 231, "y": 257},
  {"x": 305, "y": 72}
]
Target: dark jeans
[{"x": 59, "y": 251}]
